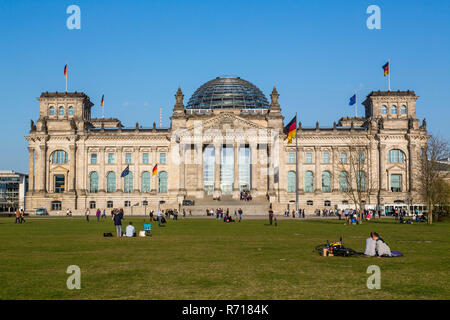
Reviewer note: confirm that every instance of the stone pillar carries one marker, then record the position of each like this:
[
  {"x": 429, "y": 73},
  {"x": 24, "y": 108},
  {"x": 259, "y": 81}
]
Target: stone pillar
[
  {"x": 254, "y": 163},
  {"x": 182, "y": 168},
  {"x": 236, "y": 147},
  {"x": 411, "y": 160},
  {"x": 217, "y": 154},
  {"x": 199, "y": 163},
  {"x": 300, "y": 171},
  {"x": 335, "y": 172},
  {"x": 271, "y": 169},
  {"x": 72, "y": 171},
  {"x": 317, "y": 173},
  {"x": 137, "y": 172},
  {"x": 119, "y": 180},
  {"x": 101, "y": 174},
  {"x": 31, "y": 169},
  {"x": 382, "y": 175},
  {"x": 42, "y": 168}
]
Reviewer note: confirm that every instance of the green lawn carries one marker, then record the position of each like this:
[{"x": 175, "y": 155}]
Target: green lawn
[{"x": 208, "y": 259}]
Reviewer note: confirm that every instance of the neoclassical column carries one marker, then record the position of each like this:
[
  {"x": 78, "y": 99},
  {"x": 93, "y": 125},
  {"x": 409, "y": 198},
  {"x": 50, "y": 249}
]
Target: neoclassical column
[
  {"x": 236, "y": 147},
  {"x": 182, "y": 167},
  {"x": 317, "y": 173},
  {"x": 335, "y": 173},
  {"x": 271, "y": 169},
  {"x": 382, "y": 174},
  {"x": 254, "y": 162},
  {"x": 72, "y": 166},
  {"x": 31, "y": 169},
  {"x": 119, "y": 180},
  {"x": 217, "y": 152},
  {"x": 42, "y": 168},
  {"x": 137, "y": 172},
  {"x": 301, "y": 183},
  {"x": 199, "y": 162},
  {"x": 101, "y": 174}
]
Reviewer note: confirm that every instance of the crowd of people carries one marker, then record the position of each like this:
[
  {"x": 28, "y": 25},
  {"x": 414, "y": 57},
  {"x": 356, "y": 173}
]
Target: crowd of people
[
  {"x": 245, "y": 195},
  {"x": 221, "y": 213}
]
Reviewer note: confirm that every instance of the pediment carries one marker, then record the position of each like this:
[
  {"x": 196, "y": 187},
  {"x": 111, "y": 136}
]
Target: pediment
[{"x": 59, "y": 169}]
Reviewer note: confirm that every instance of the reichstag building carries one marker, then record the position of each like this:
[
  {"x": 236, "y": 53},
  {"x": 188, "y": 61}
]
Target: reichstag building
[{"x": 228, "y": 138}]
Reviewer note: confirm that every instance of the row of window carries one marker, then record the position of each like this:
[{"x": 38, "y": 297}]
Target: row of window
[
  {"x": 129, "y": 158},
  {"x": 57, "y": 205},
  {"x": 396, "y": 182},
  {"x": 384, "y": 109},
  {"x": 111, "y": 182},
  {"x": 61, "y": 111},
  {"x": 61, "y": 157},
  {"x": 394, "y": 156}
]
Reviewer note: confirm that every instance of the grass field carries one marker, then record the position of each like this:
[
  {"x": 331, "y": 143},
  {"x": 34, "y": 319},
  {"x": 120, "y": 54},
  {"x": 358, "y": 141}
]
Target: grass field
[{"x": 208, "y": 259}]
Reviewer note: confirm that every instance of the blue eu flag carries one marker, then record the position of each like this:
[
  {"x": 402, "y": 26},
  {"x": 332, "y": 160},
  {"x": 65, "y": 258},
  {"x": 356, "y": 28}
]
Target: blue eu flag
[
  {"x": 352, "y": 100},
  {"x": 125, "y": 172}
]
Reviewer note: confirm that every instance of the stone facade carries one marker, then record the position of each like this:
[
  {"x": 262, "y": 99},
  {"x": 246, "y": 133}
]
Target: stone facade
[{"x": 72, "y": 155}]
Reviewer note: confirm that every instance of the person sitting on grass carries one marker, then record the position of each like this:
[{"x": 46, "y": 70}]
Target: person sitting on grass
[
  {"x": 130, "y": 231},
  {"x": 381, "y": 249}
]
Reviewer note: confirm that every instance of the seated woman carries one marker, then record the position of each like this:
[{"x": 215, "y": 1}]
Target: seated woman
[{"x": 381, "y": 248}]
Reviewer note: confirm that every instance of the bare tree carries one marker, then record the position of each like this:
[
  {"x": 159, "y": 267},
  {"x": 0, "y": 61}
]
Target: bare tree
[
  {"x": 432, "y": 185},
  {"x": 355, "y": 179}
]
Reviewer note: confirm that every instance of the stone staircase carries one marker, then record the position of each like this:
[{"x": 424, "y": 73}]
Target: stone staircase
[{"x": 256, "y": 206}]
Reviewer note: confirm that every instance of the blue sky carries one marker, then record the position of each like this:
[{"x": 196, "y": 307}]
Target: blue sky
[{"x": 138, "y": 52}]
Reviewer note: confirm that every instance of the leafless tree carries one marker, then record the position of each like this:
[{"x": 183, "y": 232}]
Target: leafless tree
[
  {"x": 432, "y": 183},
  {"x": 355, "y": 179}
]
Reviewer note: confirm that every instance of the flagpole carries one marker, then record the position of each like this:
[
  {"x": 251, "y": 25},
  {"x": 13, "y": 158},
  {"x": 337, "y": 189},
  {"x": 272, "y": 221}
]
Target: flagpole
[
  {"x": 389, "y": 75},
  {"x": 296, "y": 165},
  {"x": 356, "y": 105},
  {"x": 67, "y": 74}
]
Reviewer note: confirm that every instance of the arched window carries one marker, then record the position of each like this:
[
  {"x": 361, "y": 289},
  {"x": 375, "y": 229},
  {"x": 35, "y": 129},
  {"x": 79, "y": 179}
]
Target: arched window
[
  {"x": 61, "y": 110},
  {"x": 70, "y": 111},
  {"x": 383, "y": 109},
  {"x": 128, "y": 182},
  {"x": 145, "y": 181},
  {"x": 163, "y": 182},
  {"x": 309, "y": 181},
  {"x": 51, "y": 111},
  {"x": 394, "y": 109},
  {"x": 291, "y": 181},
  {"x": 403, "y": 109},
  {"x": 60, "y": 157},
  {"x": 111, "y": 182},
  {"x": 326, "y": 181},
  {"x": 361, "y": 181},
  {"x": 343, "y": 181},
  {"x": 93, "y": 182},
  {"x": 395, "y": 156}
]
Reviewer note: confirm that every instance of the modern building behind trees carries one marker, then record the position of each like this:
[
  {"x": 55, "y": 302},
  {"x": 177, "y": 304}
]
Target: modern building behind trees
[{"x": 13, "y": 187}]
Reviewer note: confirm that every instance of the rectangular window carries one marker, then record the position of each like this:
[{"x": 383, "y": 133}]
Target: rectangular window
[
  {"x": 59, "y": 183},
  {"x": 343, "y": 157},
  {"x": 92, "y": 204},
  {"x": 128, "y": 158},
  {"x": 326, "y": 157},
  {"x": 162, "y": 158},
  {"x": 109, "y": 204},
  {"x": 127, "y": 203},
  {"x": 308, "y": 157},
  {"x": 110, "y": 158},
  {"x": 145, "y": 158},
  {"x": 291, "y": 157},
  {"x": 93, "y": 158},
  {"x": 56, "y": 205},
  {"x": 396, "y": 183}
]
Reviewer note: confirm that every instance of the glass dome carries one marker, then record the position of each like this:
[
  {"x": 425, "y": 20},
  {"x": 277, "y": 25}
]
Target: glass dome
[{"x": 228, "y": 92}]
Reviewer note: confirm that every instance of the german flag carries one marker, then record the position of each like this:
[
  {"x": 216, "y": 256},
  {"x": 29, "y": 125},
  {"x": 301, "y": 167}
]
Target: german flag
[
  {"x": 155, "y": 170},
  {"x": 291, "y": 129},
  {"x": 386, "y": 68},
  {"x": 65, "y": 71},
  {"x": 103, "y": 101}
]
